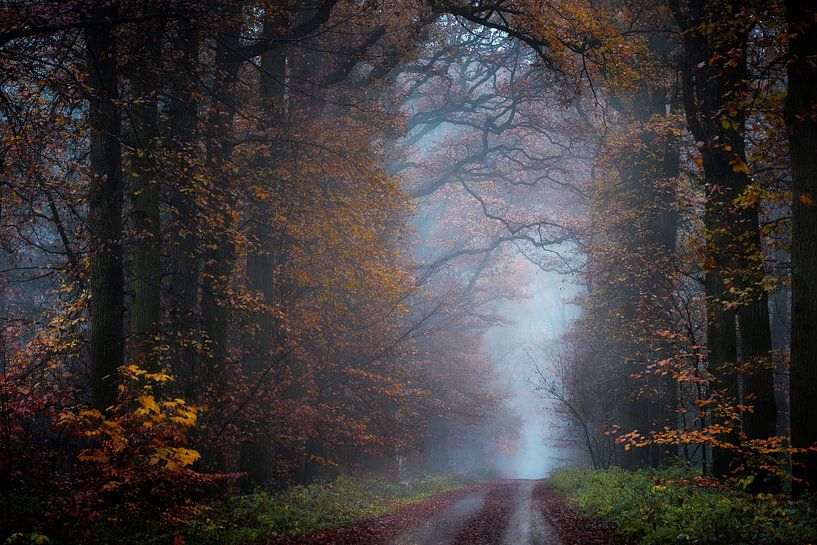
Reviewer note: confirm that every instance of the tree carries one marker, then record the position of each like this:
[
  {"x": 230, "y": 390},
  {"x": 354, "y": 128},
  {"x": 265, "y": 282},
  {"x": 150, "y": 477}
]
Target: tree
[
  {"x": 714, "y": 38},
  {"x": 802, "y": 124},
  {"x": 144, "y": 71},
  {"x": 105, "y": 196},
  {"x": 185, "y": 165}
]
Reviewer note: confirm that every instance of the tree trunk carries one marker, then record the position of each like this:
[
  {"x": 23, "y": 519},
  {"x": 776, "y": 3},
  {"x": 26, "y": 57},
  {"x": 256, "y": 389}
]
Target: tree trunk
[
  {"x": 714, "y": 76},
  {"x": 756, "y": 338},
  {"x": 649, "y": 236},
  {"x": 219, "y": 254},
  {"x": 107, "y": 306},
  {"x": 722, "y": 344},
  {"x": 802, "y": 124},
  {"x": 663, "y": 238},
  {"x": 147, "y": 267},
  {"x": 265, "y": 260},
  {"x": 184, "y": 262}
]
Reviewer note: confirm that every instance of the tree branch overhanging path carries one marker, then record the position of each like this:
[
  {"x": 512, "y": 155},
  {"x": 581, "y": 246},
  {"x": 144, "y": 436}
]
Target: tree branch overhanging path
[{"x": 258, "y": 256}]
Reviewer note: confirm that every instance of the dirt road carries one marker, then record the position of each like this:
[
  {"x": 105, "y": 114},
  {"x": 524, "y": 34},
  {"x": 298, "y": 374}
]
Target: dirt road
[
  {"x": 504, "y": 514},
  {"x": 509, "y": 512},
  {"x": 528, "y": 525}
]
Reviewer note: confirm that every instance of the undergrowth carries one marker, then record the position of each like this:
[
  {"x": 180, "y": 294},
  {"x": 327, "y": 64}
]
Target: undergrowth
[
  {"x": 677, "y": 506},
  {"x": 303, "y": 510}
]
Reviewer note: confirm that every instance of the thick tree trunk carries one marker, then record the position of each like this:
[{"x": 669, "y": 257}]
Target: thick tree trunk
[
  {"x": 184, "y": 261},
  {"x": 714, "y": 75},
  {"x": 721, "y": 335},
  {"x": 754, "y": 323},
  {"x": 663, "y": 238},
  {"x": 107, "y": 306},
  {"x": 219, "y": 253},
  {"x": 800, "y": 118},
  {"x": 147, "y": 267},
  {"x": 265, "y": 261}
]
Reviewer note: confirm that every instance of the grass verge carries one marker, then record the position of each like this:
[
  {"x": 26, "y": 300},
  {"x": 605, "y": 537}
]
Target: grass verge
[
  {"x": 303, "y": 510},
  {"x": 676, "y": 505}
]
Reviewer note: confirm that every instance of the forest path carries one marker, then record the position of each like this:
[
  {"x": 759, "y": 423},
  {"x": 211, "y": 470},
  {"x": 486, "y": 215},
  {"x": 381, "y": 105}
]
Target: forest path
[
  {"x": 527, "y": 525},
  {"x": 443, "y": 528},
  {"x": 505, "y": 514}
]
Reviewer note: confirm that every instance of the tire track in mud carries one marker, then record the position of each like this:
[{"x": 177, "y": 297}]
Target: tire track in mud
[
  {"x": 443, "y": 528},
  {"x": 572, "y": 527},
  {"x": 527, "y": 524},
  {"x": 488, "y": 525},
  {"x": 506, "y": 513},
  {"x": 510, "y": 512}
]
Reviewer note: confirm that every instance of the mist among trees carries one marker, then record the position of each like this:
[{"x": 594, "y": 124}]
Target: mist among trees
[{"x": 389, "y": 271}]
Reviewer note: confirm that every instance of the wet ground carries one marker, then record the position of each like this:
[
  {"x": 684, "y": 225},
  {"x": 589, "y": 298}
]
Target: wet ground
[
  {"x": 508, "y": 512},
  {"x": 504, "y": 514},
  {"x": 528, "y": 525},
  {"x": 444, "y": 527}
]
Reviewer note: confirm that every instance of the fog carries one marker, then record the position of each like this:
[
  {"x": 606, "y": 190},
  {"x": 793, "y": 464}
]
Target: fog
[
  {"x": 534, "y": 323},
  {"x": 330, "y": 258},
  {"x": 494, "y": 170}
]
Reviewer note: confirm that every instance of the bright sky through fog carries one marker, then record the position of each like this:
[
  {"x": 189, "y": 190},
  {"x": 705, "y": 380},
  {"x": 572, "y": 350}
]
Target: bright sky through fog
[{"x": 536, "y": 323}]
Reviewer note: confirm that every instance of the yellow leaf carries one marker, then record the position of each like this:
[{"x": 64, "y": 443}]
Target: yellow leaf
[
  {"x": 149, "y": 405},
  {"x": 93, "y": 456},
  {"x": 159, "y": 377},
  {"x": 741, "y": 167},
  {"x": 186, "y": 456}
]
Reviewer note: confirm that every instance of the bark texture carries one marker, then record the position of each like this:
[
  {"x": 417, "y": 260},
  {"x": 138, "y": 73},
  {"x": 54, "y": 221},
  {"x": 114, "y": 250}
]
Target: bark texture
[
  {"x": 145, "y": 192},
  {"x": 219, "y": 254},
  {"x": 265, "y": 262},
  {"x": 800, "y": 118},
  {"x": 107, "y": 306},
  {"x": 713, "y": 71},
  {"x": 184, "y": 267}
]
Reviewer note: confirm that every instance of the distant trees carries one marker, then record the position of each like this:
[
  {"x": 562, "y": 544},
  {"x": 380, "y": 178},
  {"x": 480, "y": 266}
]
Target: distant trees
[
  {"x": 248, "y": 303},
  {"x": 723, "y": 246},
  {"x": 212, "y": 222}
]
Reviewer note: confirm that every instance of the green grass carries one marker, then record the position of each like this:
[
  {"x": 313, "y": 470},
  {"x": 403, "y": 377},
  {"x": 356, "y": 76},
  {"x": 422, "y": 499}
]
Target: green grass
[
  {"x": 306, "y": 509},
  {"x": 667, "y": 507}
]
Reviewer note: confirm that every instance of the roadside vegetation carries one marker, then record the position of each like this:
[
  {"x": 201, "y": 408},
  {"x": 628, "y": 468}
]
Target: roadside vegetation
[
  {"x": 676, "y": 505},
  {"x": 247, "y": 244},
  {"x": 303, "y": 510}
]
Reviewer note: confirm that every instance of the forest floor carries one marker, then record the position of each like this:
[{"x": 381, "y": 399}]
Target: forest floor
[{"x": 507, "y": 512}]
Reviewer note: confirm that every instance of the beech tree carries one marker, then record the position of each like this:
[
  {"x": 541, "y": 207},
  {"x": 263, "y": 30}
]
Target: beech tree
[
  {"x": 249, "y": 245},
  {"x": 105, "y": 195},
  {"x": 714, "y": 79},
  {"x": 802, "y": 125}
]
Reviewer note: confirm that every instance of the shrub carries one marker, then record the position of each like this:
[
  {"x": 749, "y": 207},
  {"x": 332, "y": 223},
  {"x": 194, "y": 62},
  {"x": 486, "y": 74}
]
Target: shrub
[
  {"x": 305, "y": 509},
  {"x": 676, "y": 505}
]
